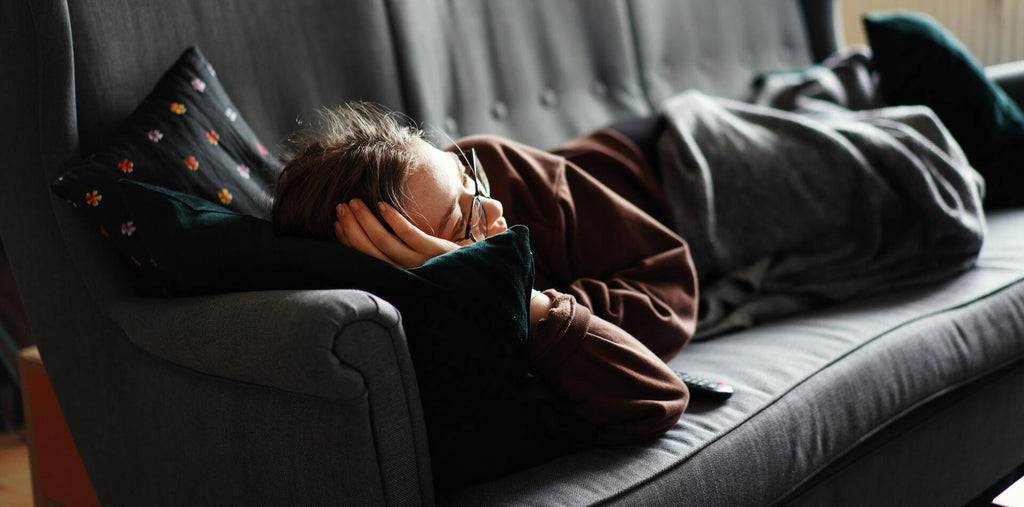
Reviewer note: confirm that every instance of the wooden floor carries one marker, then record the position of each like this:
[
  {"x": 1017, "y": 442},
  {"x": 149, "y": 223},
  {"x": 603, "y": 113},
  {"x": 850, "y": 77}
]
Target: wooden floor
[{"x": 15, "y": 477}]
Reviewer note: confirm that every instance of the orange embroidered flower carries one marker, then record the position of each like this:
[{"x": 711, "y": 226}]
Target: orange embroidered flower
[
  {"x": 126, "y": 166},
  {"x": 103, "y": 231},
  {"x": 224, "y": 196},
  {"x": 177, "y": 108},
  {"x": 212, "y": 137},
  {"x": 93, "y": 198},
  {"x": 191, "y": 163},
  {"x": 136, "y": 261}
]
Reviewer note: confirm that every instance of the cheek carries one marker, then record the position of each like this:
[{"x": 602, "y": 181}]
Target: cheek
[{"x": 421, "y": 222}]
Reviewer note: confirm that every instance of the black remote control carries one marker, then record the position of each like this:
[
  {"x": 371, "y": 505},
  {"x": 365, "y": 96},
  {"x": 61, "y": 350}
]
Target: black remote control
[{"x": 700, "y": 386}]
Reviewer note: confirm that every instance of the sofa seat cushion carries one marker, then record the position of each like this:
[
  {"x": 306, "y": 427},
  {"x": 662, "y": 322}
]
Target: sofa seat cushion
[{"x": 808, "y": 390}]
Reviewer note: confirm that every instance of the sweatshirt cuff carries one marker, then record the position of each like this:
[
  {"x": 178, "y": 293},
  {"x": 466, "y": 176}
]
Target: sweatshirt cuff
[{"x": 558, "y": 335}]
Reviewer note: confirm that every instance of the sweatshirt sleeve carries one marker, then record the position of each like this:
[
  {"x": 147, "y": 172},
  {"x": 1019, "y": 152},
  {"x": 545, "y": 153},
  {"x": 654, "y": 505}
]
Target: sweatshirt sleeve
[
  {"x": 627, "y": 266},
  {"x": 604, "y": 375},
  {"x": 586, "y": 205}
]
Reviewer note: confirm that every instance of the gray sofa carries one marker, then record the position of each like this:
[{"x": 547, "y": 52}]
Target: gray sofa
[{"x": 309, "y": 397}]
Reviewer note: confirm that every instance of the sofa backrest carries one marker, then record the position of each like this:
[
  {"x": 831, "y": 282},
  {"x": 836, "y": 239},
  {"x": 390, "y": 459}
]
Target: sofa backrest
[{"x": 539, "y": 71}]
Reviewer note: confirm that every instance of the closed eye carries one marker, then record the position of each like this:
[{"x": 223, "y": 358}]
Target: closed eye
[{"x": 460, "y": 228}]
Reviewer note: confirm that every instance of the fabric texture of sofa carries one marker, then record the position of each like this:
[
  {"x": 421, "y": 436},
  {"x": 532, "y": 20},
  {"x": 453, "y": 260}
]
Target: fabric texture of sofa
[{"x": 309, "y": 397}]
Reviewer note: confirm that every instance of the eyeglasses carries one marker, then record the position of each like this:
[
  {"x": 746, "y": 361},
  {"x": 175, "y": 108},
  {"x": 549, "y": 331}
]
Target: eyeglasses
[{"x": 476, "y": 222}]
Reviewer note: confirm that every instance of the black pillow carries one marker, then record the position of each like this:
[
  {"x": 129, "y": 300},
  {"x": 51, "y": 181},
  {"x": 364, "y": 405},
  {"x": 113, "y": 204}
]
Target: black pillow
[
  {"x": 465, "y": 313},
  {"x": 920, "y": 62},
  {"x": 187, "y": 136}
]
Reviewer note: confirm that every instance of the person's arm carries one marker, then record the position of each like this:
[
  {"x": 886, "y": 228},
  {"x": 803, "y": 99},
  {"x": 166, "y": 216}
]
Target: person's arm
[
  {"x": 613, "y": 383},
  {"x": 643, "y": 278},
  {"x": 606, "y": 365},
  {"x": 592, "y": 243}
]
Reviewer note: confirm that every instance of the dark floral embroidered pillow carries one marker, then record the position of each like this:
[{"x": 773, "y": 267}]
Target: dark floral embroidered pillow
[{"x": 186, "y": 136}]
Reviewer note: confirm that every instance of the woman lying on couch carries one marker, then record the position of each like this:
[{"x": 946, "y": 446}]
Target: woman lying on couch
[
  {"x": 604, "y": 320},
  {"x": 779, "y": 216}
]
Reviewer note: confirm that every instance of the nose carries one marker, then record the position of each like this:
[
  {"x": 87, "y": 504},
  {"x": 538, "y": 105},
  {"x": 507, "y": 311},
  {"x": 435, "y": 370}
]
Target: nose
[{"x": 493, "y": 209}]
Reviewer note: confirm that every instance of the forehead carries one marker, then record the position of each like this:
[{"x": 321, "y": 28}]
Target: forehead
[{"x": 432, "y": 188}]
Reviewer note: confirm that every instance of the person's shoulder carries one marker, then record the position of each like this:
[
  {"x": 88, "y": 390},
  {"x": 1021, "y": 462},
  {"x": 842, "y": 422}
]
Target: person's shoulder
[
  {"x": 479, "y": 141},
  {"x": 493, "y": 147}
]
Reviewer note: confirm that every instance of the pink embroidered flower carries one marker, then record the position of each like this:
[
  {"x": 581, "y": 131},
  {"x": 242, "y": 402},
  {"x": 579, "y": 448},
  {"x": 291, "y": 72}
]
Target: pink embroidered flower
[
  {"x": 155, "y": 135},
  {"x": 209, "y": 69},
  {"x": 126, "y": 166},
  {"x": 212, "y": 137},
  {"x": 191, "y": 163},
  {"x": 127, "y": 228},
  {"x": 231, "y": 114},
  {"x": 243, "y": 170},
  {"x": 93, "y": 198},
  {"x": 177, "y": 108},
  {"x": 224, "y": 196},
  {"x": 259, "y": 146},
  {"x": 198, "y": 85}
]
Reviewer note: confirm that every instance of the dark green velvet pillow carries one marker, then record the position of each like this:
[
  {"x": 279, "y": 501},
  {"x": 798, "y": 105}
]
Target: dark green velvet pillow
[
  {"x": 465, "y": 313},
  {"x": 920, "y": 62}
]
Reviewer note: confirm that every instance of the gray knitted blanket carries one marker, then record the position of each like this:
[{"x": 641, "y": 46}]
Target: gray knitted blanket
[{"x": 788, "y": 210}]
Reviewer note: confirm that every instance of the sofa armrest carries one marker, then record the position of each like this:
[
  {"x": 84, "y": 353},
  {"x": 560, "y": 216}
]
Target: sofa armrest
[
  {"x": 279, "y": 339},
  {"x": 338, "y": 345},
  {"x": 1010, "y": 77}
]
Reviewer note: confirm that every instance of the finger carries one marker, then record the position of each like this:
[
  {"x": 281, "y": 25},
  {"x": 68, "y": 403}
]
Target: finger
[
  {"x": 358, "y": 239},
  {"x": 387, "y": 243},
  {"x": 339, "y": 231},
  {"x": 427, "y": 245}
]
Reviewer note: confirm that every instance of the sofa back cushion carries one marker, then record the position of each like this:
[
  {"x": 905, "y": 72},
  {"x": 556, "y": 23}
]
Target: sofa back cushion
[
  {"x": 277, "y": 60},
  {"x": 717, "y": 47},
  {"x": 542, "y": 71}
]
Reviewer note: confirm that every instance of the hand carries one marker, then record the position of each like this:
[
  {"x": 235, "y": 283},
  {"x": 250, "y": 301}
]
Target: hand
[
  {"x": 540, "y": 305},
  {"x": 408, "y": 247}
]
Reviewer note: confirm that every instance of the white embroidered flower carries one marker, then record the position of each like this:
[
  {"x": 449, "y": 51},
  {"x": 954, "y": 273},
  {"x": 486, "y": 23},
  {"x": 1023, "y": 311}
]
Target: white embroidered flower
[
  {"x": 198, "y": 85},
  {"x": 209, "y": 68},
  {"x": 231, "y": 114},
  {"x": 127, "y": 228},
  {"x": 155, "y": 135},
  {"x": 243, "y": 170}
]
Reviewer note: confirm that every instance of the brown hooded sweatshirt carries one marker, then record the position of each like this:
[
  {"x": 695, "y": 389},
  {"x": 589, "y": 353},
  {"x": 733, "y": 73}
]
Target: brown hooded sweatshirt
[{"x": 623, "y": 284}]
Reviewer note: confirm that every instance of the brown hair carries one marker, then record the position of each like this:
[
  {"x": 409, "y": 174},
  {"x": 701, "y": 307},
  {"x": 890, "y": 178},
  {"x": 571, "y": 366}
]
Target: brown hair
[{"x": 357, "y": 150}]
